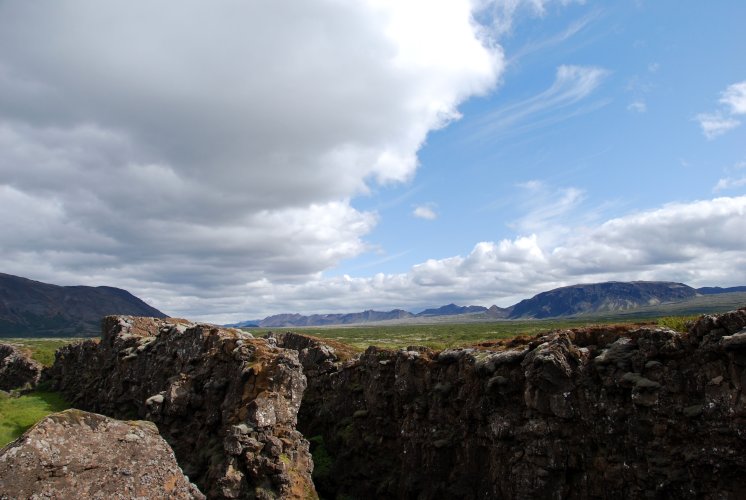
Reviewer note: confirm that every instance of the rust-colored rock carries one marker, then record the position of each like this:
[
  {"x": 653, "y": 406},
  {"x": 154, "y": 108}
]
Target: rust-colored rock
[
  {"x": 603, "y": 412},
  {"x": 226, "y": 403},
  {"x": 17, "y": 370},
  {"x": 75, "y": 454}
]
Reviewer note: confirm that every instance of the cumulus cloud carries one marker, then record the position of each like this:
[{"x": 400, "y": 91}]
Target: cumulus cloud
[
  {"x": 426, "y": 212},
  {"x": 698, "y": 243},
  {"x": 733, "y": 101},
  {"x": 185, "y": 149}
]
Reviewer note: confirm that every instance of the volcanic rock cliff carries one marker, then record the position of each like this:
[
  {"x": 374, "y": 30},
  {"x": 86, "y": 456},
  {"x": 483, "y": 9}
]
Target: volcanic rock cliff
[
  {"x": 225, "y": 402},
  {"x": 604, "y": 412}
]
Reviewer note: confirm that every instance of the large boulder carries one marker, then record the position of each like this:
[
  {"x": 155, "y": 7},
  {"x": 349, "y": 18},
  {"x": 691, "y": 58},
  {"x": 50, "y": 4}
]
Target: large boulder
[
  {"x": 226, "y": 403},
  {"x": 75, "y": 454},
  {"x": 17, "y": 370}
]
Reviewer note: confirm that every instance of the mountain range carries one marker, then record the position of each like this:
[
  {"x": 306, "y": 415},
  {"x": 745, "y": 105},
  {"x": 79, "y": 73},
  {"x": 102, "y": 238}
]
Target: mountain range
[
  {"x": 33, "y": 308},
  {"x": 574, "y": 300}
]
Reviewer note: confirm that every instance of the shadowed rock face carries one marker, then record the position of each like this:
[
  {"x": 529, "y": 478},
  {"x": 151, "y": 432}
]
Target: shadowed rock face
[
  {"x": 17, "y": 371},
  {"x": 605, "y": 412},
  {"x": 75, "y": 454},
  {"x": 225, "y": 402}
]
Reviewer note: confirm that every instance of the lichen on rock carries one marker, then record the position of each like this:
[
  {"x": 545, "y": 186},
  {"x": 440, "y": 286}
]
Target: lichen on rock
[
  {"x": 226, "y": 403},
  {"x": 76, "y": 454}
]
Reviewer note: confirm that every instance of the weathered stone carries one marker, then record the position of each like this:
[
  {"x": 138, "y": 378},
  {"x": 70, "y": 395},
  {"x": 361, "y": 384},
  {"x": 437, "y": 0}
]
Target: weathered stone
[
  {"x": 17, "y": 370},
  {"x": 199, "y": 384},
  {"x": 75, "y": 454}
]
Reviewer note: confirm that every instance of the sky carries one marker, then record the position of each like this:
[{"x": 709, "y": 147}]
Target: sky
[{"x": 228, "y": 160}]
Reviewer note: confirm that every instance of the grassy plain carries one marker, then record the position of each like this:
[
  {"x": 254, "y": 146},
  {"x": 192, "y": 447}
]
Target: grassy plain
[
  {"x": 445, "y": 335},
  {"x": 42, "y": 350}
]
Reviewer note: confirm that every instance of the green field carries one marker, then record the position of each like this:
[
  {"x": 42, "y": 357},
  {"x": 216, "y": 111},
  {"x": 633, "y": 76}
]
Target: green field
[
  {"x": 42, "y": 350},
  {"x": 19, "y": 413},
  {"x": 445, "y": 335}
]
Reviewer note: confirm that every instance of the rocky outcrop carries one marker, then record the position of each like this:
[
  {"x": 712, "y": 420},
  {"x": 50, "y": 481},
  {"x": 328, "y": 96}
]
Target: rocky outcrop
[
  {"x": 603, "y": 412},
  {"x": 17, "y": 370},
  {"x": 226, "y": 403},
  {"x": 75, "y": 454}
]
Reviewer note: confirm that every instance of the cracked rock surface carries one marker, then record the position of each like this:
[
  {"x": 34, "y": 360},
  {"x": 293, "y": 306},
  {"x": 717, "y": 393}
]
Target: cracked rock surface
[
  {"x": 76, "y": 454},
  {"x": 226, "y": 403}
]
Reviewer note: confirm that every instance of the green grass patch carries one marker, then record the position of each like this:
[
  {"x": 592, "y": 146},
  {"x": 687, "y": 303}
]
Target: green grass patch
[
  {"x": 42, "y": 350},
  {"x": 18, "y": 414},
  {"x": 678, "y": 323}
]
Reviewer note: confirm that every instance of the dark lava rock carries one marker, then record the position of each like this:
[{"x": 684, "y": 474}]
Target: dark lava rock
[
  {"x": 17, "y": 371},
  {"x": 601, "y": 412},
  {"x": 226, "y": 403},
  {"x": 75, "y": 454}
]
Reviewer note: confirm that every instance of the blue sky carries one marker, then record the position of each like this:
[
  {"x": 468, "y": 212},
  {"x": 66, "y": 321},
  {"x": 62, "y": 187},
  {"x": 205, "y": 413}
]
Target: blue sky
[
  {"x": 249, "y": 158},
  {"x": 632, "y": 143}
]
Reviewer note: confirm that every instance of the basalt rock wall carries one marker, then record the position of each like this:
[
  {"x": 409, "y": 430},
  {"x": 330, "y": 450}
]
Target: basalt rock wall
[
  {"x": 226, "y": 403},
  {"x": 606, "y": 412},
  {"x": 17, "y": 370}
]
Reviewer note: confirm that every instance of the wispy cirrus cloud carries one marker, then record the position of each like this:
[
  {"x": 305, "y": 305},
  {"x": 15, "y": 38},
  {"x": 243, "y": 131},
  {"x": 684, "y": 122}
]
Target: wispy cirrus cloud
[
  {"x": 572, "y": 84},
  {"x": 736, "y": 178},
  {"x": 733, "y": 101}
]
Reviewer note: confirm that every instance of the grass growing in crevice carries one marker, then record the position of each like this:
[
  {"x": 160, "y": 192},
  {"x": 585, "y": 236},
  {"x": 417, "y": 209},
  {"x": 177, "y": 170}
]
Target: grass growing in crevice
[{"x": 17, "y": 414}]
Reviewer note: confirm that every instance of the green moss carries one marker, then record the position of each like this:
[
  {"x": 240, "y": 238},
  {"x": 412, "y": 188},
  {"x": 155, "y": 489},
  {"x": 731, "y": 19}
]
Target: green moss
[
  {"x": 322, "y": 460},
  {"x": 19, "y": 414}
]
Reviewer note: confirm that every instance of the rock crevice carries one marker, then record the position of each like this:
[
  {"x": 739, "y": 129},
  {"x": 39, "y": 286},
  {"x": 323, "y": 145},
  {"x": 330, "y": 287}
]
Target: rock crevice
[{"x": 600, "y": 412}]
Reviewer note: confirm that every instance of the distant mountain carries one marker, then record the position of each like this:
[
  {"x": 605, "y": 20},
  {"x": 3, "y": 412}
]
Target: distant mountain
[
  {"x": 714, "y": 290},
  {"x": 611, "y": 296},
  {"x": 282, "y": 320},
  {"x": 451, "y": 310},
  {"x": 32, "y": 308}
]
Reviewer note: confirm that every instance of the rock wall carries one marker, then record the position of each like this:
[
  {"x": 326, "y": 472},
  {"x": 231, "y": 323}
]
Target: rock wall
[
  {"x": 17, "y": 371},
  {"x": 226, "y": 403},
  {"x": 75, "y": 454},
  {"x": 606, "y": 412}
]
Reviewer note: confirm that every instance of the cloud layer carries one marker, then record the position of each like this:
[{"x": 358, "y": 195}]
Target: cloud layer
[
  {"x": 179, "y": 143},
  {"x": 699, "y": 243}
]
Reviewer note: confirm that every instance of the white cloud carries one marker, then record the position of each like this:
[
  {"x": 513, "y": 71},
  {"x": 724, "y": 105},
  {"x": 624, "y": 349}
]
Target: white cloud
[
  {"x": 637, "y": 106},
  {"x": 716, "y": 124},
  {"x": 216, "y": 150},
  {"x": 571, "y": 85},
  {"x": 425, "y": 212},
  {"x": 732, "y": 181},
  {"x": 699, "y": 243},
  {"x": 733, "y": 99}
]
